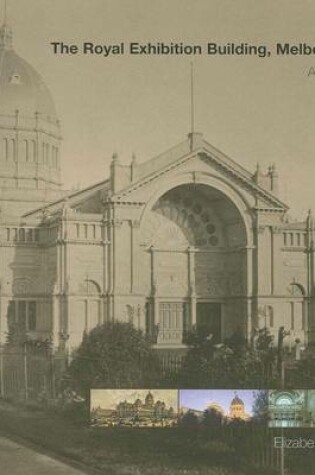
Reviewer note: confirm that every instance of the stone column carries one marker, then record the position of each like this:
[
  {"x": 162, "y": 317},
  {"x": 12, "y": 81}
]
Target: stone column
[
  {"x": 104, "y": 296},
  {"x": 4, "y": 302},
  {"x": 192, "y": 286},
  {"x": 154, "y": 287},
  {"x": 16, "y": 148},
  {"x": 249, "y": 291},
  {"x": 134, "y": 282},
  {"x": 55, "y": 310}
]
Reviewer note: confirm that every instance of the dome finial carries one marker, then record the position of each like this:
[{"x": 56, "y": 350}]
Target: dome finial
[
  {"x": 4, "y": 12},
  {"x": 5, "y": 30}
]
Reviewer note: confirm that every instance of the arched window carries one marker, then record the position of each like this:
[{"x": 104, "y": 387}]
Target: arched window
[
  {"x": 32, "y": 151},
  {"x": 297, "y": 307},
  {"x": 11, "y": 149},
  {"x": 88, "y": 306},
  {"x": 6, "y": 149},
  {"x": 284, "y": 400},
  {"x": 25, "y": 154}
]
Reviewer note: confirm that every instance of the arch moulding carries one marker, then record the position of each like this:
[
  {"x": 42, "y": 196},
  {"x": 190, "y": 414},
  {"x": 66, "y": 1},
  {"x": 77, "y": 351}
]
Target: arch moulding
[{"x": 201, "y": 178}]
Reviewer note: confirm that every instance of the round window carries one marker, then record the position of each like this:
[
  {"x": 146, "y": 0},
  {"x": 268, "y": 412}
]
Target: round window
[{"x": 210, "y": 228}]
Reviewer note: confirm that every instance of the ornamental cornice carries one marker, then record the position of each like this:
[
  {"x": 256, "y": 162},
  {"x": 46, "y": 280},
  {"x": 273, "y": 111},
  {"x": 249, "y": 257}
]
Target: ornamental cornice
[
  {"x": 268, "y": 210},
  {"x": 277, "y": 229},
  {"x": 135, "y": 223},
  {"x": 20, "y": 244}
]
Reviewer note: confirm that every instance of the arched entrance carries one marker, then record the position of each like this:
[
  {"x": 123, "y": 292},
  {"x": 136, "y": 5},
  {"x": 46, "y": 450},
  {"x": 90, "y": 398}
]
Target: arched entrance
[
  {"x": 195, "y": 264},
  {"x": 286, "y": 408}
]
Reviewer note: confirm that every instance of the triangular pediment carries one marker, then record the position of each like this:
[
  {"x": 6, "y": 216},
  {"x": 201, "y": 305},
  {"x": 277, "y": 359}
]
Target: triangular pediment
[
  {"x": 134, "y": 183},
  {"x": 197, "y": 155}
]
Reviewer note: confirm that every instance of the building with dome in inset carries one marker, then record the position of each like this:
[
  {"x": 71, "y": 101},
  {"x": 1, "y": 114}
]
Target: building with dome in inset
[
  {"x": 187, "y": 239},
  {"x": 223, "y": 408},
  {"x": 237, "y": 409},
  {"x": 150, "y": 411},
  {"x": 149, "y": 408}
]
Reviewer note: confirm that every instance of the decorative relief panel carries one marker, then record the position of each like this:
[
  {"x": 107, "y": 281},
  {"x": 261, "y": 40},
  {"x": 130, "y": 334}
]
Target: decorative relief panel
[{"x": 22, "y": 285}]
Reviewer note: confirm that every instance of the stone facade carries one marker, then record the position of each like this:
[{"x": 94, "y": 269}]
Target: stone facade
[{"x": 186, "y": 238}]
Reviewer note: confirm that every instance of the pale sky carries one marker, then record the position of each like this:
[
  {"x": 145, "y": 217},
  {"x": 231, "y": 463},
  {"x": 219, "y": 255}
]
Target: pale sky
[
  {"x": 200, "y": 399},
  {"x": 253, "y": 109}
]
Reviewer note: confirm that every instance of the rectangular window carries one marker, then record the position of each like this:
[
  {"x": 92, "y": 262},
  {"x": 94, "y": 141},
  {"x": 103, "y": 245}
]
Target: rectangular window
[
  {"x": 30, "y": 235},
  {"x": 171, "y": 322},
  {"x": 149, "y": 319},
  {"x": 21, "y": 314},
  {"x": 271, "y": 317},
  {"x": 31, "y": 316},
  {"x": 11, "y": 313}
]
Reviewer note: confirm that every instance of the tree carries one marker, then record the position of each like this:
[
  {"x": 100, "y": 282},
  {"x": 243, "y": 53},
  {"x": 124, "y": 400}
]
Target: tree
[
  {"x": 260, "y": 406},
  {"x": 212, "y": 418},
  {"x": 18, "y": 340},
  {"x": 114, "y": 355},
  {"x": 189, "y": 419},
  {"x": 232, "y": 363},
  {"x": 195, "y": 370}
]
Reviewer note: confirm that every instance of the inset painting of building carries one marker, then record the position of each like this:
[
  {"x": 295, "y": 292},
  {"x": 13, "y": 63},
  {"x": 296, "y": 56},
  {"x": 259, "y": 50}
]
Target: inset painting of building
[
  {"x": 291, "y": 408},
  {"x": 134, "y": 408},
  {"x": 223, "y": 405}
]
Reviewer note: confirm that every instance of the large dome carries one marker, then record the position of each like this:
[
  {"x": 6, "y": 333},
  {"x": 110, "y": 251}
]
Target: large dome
[
  {"x": 29, "y": 134},
  {"x": 21, "y": 87},
  {"x": 237, "y": 401}
]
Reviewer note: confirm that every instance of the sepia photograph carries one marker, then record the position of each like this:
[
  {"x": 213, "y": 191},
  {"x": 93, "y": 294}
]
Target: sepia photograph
[
  {"x": 157, "y": 229},
  {"x": 134, "y": 408}
]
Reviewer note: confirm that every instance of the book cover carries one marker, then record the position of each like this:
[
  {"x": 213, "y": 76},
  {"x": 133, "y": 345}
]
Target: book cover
[{"x": 157, "y": 237}]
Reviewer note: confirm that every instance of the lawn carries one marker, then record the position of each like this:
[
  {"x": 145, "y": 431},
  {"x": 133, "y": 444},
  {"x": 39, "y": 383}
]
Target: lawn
[{"x": 124, "y": 451}]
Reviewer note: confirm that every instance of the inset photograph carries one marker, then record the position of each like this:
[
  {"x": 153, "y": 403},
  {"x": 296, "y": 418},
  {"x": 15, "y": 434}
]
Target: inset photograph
[
  {"x": 291, "y": 408},
  {"x": 221, "y": 407},
  {"x": 131, "y": 408}
]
